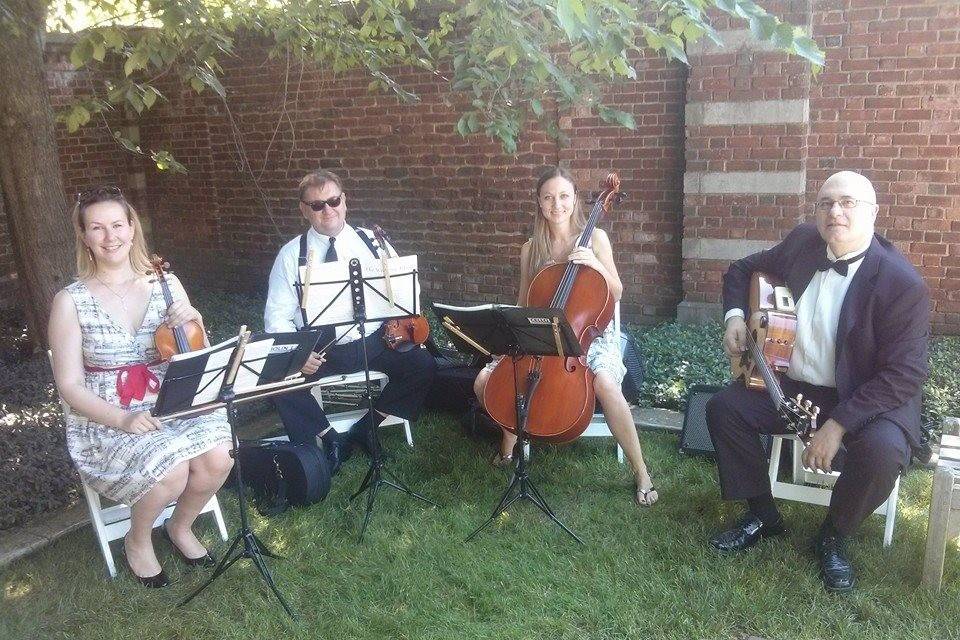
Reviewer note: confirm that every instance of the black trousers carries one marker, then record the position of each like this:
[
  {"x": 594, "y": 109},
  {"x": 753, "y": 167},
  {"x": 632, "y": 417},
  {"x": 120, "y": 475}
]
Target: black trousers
[
  {"x": 870, "y": 459},
  {"x": 411, "y": 375}
]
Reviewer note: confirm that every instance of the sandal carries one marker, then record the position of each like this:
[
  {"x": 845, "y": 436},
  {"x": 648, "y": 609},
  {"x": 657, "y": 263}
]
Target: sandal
[
  {"x": 642, "y": 496},
  {"x": 500, "y": 461}
]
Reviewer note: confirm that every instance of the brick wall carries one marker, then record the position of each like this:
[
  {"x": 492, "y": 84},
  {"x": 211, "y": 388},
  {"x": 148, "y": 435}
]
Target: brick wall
[
  {"x": 729, "y": 176},
  {"x": 462, "y": 205},
  {"x": 887, "y": 105}
]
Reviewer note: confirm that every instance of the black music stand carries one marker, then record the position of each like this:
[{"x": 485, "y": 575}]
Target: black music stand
[
  {"x": 516, "y": 332},
  {"x": 377, "y": 474},
  {"x": 288, "y": 358}
]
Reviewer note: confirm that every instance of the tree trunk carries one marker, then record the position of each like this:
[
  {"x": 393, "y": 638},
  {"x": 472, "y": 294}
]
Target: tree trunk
[{"x": 30, "y": 178}]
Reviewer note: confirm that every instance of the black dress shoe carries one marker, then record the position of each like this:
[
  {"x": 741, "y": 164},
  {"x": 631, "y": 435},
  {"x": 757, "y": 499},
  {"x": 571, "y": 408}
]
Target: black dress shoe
[
  {"x": 338, "y": 450},
  {"x": 835, "y": 569},
  {"x": 151, "y": 582},
  {"x": 745, "y": 534},
  {"x": 206, "y": 560}
]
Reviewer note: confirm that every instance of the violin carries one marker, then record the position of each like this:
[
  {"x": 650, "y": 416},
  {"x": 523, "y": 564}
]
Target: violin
[
  {"x": 564, "y": 401},
  {"x": 771, "y": 332},
  {"x": 173, "y": 340},
  {"x": 400, "y": 334}
]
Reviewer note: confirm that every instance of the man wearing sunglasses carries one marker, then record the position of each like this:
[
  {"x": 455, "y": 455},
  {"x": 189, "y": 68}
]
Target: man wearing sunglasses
[
  {"x": 860, "y": 354},
  {"x": 323, "y": 204}
]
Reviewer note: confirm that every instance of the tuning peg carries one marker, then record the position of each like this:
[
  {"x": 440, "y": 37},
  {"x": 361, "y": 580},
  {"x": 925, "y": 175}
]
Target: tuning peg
[
  {"x": 807, "y": 404},
  {"x": 799, "y": 398},
  {"x": 816, "y": 411}
]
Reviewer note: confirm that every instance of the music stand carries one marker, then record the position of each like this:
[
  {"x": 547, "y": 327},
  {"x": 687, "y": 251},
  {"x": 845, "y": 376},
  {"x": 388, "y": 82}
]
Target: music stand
[
  {"x": 332, "y": 312},
  {"x": 277, "y": 355},
  {"x": 516, "y": 332}
]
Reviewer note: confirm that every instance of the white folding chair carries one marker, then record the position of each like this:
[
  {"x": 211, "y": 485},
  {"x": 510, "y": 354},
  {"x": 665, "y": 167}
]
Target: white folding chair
[
  {"x": 113, "y": 522},
  {"x": 815, "y": 487},
  {"x": 344, "y": 419},
  {"x": 598, "y": 427}
]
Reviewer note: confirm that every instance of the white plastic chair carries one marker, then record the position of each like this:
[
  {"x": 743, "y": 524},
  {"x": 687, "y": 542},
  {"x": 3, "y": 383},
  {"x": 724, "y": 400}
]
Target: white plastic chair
[
  {"x": 113, "y": 522},
  {"x": 343, "y": 420},
  {"x": 801, "y": 489},
  {"x": 598, "y": 427}
]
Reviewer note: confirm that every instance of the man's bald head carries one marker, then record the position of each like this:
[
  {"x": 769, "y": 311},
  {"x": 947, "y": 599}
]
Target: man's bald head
[
  {"x": 853, "y": 183},
  {"x": 846, "y": 211}
]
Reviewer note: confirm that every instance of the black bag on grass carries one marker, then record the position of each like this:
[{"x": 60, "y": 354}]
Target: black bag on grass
[{"x": 281, "y": 475}]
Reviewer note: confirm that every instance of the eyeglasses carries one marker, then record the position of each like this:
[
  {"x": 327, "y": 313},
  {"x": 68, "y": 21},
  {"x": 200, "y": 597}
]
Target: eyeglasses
[
  {"x": 318, "y": 205},
  {"x": 846, "y": 204},
  {"x": 98, "y": 194}
]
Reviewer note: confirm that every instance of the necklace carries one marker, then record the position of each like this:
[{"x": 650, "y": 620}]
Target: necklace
[{"x": 122, "y": 298}]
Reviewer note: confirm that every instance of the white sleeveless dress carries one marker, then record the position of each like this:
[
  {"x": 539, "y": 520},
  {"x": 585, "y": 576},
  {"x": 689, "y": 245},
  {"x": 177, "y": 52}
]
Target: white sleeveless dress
[{"x": 119, "y": 465}]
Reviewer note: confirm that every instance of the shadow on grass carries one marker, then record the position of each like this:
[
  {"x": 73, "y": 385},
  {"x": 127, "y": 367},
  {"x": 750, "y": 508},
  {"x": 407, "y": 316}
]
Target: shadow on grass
[{"x": 643, "y": 573}]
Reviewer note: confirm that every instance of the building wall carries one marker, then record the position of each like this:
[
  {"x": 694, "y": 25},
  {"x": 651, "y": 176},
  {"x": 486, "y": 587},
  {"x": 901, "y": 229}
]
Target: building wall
[
  {"x": 762, "y": 135},
  {"x": 727, "y": 157}
]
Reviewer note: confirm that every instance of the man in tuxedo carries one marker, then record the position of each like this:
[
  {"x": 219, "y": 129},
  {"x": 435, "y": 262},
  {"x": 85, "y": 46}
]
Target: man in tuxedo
[
  {"x": 323, "y": 203},
  {"x": 860, "y": 354}
]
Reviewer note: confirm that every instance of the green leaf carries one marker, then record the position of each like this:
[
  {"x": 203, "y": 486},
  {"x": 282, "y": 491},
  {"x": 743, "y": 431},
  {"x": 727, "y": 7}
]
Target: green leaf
[
  {"x": 783, "y": 36},
  {"x": 615, "y": 116},
  {"x": 462, "y": 128},
  {"x": 678, "y": 24},
  {"x": 81, "y": 53},
  {"x": 99, "y": 52},
  {"x": 806, "y": 47},
  {"x": 537, "y": 107},
  {"x": 150, "y": 96},
  {"x": 211, "y": 81},
  {"x": 569, "y": 14},
  {"x": 673, "y": 46},
  {"x": 112, "y": 38},
  {"x": 197, "y": 84},
  {"x": 496, "y": 53}
]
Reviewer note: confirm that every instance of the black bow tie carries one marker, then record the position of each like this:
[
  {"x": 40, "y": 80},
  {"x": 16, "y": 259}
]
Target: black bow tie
[{"x": 840, "y": 266}]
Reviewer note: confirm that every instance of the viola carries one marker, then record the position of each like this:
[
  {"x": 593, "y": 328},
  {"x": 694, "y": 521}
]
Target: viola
[
  {"x": 400, "y": 334},
  {"x": 173, "y": 340},
  {"x": 771, "y": 333},
  {"x": 564, "y": 401}
]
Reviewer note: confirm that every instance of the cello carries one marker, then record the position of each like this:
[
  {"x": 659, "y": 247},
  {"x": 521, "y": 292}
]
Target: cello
[{"x": 563, "y": 405}]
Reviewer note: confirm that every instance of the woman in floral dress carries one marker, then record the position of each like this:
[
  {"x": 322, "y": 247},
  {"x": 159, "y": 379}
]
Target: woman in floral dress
[{"x": 107, "y": 370}]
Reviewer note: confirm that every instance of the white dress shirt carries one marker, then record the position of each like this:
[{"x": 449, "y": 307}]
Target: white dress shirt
[
  {"x": 814, "y": 357},
  {"x": 282, "y": 311}
]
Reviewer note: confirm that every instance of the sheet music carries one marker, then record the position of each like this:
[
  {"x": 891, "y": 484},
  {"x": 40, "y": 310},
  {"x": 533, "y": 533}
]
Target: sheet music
[
  {"x": 247, "y": 375},
  {"x": 254, "y": 356},
  {"x": 329, "y": 302}
]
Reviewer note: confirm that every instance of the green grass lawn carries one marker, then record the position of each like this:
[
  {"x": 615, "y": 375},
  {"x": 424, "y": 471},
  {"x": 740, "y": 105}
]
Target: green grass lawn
[{"x": 643, "y": 572}]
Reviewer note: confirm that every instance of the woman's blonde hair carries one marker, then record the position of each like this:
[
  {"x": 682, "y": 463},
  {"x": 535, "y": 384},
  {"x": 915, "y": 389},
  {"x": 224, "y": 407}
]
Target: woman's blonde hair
[
  {"x": 540, "y": 241},
  {"x": 86, "y": 264}
]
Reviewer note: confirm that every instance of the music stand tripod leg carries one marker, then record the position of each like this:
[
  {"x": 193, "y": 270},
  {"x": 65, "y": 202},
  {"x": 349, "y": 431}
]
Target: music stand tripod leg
[
  {"x": 375, "y": 474},
  {"x": 252, "y": 549}
]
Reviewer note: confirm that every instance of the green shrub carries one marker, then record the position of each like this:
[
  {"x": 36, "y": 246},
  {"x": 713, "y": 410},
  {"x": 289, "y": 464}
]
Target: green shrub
[
  {"x": 941, "y": 393},
  {"x": 677, "y": 357}
]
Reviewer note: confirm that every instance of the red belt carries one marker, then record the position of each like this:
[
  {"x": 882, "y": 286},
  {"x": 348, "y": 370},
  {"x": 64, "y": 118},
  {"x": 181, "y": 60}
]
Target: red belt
[{"x": 133, "y": 380}]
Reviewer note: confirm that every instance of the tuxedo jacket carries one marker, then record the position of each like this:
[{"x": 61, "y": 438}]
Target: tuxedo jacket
[{"x": 882, "y": 335}]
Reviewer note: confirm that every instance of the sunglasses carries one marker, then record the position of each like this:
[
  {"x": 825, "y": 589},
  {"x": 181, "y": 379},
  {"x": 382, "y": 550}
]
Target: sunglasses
[
  {"x": 318, "y": 205},
  {"x": 98, "y": 194}
]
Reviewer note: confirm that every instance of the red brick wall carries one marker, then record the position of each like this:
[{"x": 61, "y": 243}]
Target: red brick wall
[
  {"x": 887, "y": 104},
  {"x": 462, "y": 205}
]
